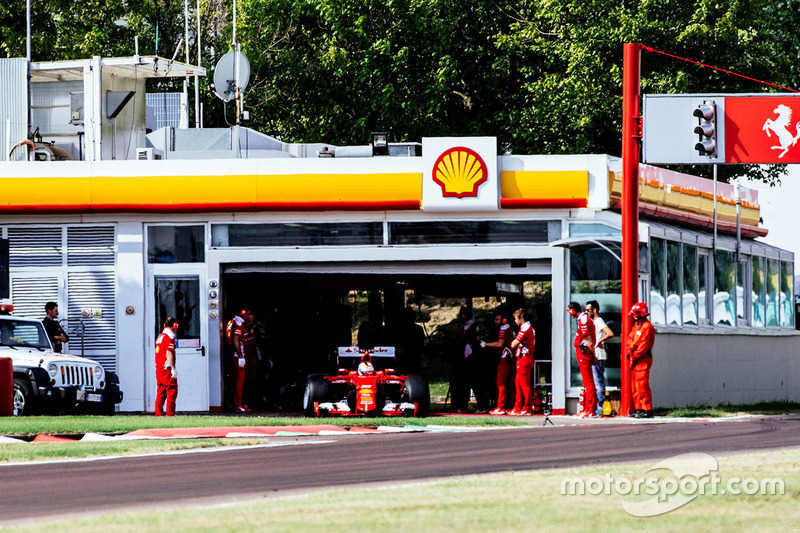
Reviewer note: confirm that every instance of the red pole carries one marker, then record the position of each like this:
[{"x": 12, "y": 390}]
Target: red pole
[{"x": 631, "y": 133}]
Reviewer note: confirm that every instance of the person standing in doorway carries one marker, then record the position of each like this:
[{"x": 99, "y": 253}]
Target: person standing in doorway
[
  {"x": 464, "y": 361},
  {"x": 640, "y": 355},
  {"x": 603, "y": 333},
  {"x": 55, "y": 332},
  {"x": 584, "y": 352},
  {"x": 243, "y": 342},
  {"x": 524, "y": 344},
  {"x": 506, "y": 367},
  {"x": 166, "y": 374}
]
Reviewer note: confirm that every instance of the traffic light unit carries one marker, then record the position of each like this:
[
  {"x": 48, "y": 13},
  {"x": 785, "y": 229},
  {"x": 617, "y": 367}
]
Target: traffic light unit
[{"x": 706, "y": 129}]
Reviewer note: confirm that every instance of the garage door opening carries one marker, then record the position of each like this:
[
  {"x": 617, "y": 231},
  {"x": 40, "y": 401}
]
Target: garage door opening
[{"x": 302, "y": 319}]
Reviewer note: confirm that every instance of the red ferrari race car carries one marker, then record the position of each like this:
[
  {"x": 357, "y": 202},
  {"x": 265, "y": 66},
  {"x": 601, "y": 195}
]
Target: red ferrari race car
[{"x": 366, "y": 391}]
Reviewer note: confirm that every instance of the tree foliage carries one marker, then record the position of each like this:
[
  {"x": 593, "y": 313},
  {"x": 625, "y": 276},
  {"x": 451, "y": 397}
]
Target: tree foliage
[
  {"x": 333, "y": 70},
  {"x": 543, "y": 76}
]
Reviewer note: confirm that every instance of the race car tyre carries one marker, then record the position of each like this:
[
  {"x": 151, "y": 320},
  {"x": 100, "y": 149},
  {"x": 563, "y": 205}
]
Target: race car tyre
[
  {"x": 316, "y": 391},
  {"x": 417, "y": 391},
  {"x": 23, "y": 397}
]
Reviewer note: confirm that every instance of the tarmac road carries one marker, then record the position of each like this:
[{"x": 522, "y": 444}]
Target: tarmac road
[{"x": 42, "y": 490}]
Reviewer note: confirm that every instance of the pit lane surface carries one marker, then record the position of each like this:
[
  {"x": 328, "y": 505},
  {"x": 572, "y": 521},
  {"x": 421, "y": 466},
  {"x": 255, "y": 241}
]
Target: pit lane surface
[{"x": 40, "y": 490}]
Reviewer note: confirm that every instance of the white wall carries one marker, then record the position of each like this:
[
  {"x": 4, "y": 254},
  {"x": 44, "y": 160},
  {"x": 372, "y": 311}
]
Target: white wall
[
  {"x": 703, "y": 369},
  {"x": 132, "y": 359}
]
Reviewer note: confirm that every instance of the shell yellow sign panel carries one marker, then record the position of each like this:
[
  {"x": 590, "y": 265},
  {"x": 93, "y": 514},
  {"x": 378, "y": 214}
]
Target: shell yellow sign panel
[{"x": 460, "y": 173}]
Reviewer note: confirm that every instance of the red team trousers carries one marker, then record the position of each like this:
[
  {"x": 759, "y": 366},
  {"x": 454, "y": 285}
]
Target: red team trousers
[
  {"x": 590, "y": 393},
  {"x": 166, "y": 393},
  {"x": 506, "y": 383},
  {"x": 523, "y": 382}
]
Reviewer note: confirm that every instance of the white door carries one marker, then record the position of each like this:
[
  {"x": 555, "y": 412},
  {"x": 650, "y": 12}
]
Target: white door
[{"x": 180, "y": 296}]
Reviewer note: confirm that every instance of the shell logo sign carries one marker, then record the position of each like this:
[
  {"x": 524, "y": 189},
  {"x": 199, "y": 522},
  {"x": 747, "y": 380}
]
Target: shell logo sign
[{"x": 459, "y": 172}]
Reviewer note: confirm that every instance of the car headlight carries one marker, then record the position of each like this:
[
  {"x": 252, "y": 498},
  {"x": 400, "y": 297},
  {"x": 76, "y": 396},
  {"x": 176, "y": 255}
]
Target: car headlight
[
  {"x": 52, "y": 369},
  {"x": 98, "y": 373}
]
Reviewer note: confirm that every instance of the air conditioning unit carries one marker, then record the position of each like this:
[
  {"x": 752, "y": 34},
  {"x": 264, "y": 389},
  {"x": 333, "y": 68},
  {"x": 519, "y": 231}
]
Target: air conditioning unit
[{"x": 146, "y": 154}]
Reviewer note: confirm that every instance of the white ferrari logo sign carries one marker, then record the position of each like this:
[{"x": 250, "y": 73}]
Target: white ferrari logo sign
[{"x": 780, "y": 127}]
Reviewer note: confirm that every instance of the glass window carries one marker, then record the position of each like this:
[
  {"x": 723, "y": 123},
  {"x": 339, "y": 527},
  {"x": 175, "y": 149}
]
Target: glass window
[
  {"x": 322, "y": 234},
  {"x": 658, "y": 282},
  {"x": 773, "y": 286},
  {"x": 702, "y": 287},
  {"x": 741, "y": 283},
  {"x": 179, "y": 296},
  {"x": 787, "y": 283},
  {"x": 673, "y": 283},
  {"x": 724, "y": 285},
  {"x": 689, "y": 284},
  {"x": 580, "y": 229},
  {"x": 475, "y": 232},
  {"x": 595, "y": 274},
  {"x": 644, "y": 258},
  {"x": 758, "y": 293},
  {"x": 176, "y": 244}
]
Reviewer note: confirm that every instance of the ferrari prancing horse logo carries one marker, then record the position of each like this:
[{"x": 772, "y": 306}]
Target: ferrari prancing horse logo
[
  {"x": 780, "y": 127},
  {"x": 459, "y": 172}
]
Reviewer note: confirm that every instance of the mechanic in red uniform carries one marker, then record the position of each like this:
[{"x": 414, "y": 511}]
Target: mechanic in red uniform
[
  {"x": 584, "y": 352},
  {"x": 166, "y": 375},
  {"x": 640, "y": 354},
  {"x": 524, "y": 344},
  {"x": 243, "y": 342},
  {"x": 506, "y": 368}
]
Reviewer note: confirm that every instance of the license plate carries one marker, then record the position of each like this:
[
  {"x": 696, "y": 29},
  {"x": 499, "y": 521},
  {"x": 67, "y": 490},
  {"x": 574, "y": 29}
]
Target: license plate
[{"x": 94, "y": 397}]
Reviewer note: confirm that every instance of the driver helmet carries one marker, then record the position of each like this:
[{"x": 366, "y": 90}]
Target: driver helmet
[{"x": 365, "y": 366}]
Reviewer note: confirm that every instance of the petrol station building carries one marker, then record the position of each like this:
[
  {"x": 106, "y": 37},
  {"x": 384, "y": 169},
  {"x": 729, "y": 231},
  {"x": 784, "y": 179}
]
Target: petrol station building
[{"x": 122, "y": 227}]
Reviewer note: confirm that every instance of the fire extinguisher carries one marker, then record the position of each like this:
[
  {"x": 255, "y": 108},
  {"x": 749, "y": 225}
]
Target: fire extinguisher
[{"x": 581, "y": 400}]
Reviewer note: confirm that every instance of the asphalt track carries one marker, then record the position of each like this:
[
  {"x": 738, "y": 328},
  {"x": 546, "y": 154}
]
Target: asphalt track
[{"x": 42, "y": 490}]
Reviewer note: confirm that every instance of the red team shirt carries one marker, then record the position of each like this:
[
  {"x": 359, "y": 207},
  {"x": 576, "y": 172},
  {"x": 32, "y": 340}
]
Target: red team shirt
[
  {"x": 164, "y": 343},
  {"x": 641, "y": 339},
  {"x": 585, "y": 331},
  {"x": 237, "y": 327},
  {"x": 526, "y": 338},
  {"x": 505, "y": 337}
]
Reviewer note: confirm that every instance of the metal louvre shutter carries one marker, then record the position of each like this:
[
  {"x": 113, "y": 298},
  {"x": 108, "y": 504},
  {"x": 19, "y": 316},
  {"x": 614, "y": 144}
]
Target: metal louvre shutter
[
  {"x": 29, "y": 294},
  {"x": 93, "y": 290},
  {"x": 90, "y": 246},
  {"x": 35, "y": 247}
]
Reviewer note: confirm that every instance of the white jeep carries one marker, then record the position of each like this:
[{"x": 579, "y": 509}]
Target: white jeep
[{"x": 49, "y": 382}]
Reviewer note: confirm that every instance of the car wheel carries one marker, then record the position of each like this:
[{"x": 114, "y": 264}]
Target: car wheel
[
  {"x": 316, "y": 391},
  {"x": 23, "y": 396},
  {"x": 417, "y": 391}
]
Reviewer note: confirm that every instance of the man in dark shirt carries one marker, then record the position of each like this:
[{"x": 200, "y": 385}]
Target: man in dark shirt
[{"x": 54, "y": 330}]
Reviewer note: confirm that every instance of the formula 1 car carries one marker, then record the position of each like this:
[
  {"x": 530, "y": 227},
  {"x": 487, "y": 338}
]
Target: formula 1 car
[{"x": 366, "y": 391}]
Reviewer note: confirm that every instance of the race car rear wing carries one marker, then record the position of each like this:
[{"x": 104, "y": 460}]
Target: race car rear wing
[{"x": 382, "y": 356}]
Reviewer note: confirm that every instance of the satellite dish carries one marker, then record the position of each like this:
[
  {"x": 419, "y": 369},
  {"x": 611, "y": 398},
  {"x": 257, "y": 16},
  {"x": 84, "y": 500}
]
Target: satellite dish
[{"x": 225, "y": 75}]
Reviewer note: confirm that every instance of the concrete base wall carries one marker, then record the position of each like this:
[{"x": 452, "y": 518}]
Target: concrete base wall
[{"x": 697, "y": 369}]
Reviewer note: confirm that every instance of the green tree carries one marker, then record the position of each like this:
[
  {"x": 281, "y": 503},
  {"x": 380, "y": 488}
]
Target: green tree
[
  {"x": 543, "y": 76},
  {"x": 332, "y": 70},
  {"x": 573, "y": 97}
]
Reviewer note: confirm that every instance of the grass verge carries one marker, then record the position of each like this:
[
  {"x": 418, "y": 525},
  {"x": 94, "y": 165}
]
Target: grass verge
[
  {"x": 705, "y": 411},
  {"x": 13, "y": 453},
  {"x": 69, "y": 425},
  {"x": 501, "y": 502}
]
